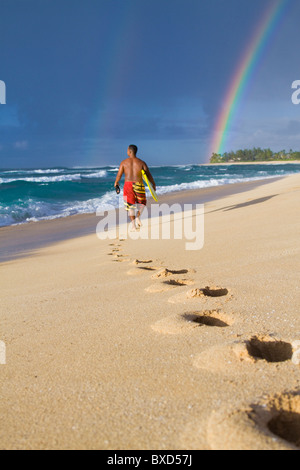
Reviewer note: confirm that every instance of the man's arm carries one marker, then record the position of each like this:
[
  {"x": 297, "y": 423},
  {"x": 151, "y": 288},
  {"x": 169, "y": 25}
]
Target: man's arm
[
  {"x": 120, "y": 174},
  {"x": 150, "y": 177}
]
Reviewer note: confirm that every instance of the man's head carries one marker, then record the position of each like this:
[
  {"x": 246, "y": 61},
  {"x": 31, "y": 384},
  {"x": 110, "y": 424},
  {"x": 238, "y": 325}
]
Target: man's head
[{"x": 132, "y": 150}]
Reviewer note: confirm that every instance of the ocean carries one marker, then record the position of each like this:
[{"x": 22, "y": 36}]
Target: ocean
[{"x": 47, "y": 193}]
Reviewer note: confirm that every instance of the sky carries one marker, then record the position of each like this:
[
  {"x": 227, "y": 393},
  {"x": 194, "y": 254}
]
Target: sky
[{"x": 86, "y": 78}]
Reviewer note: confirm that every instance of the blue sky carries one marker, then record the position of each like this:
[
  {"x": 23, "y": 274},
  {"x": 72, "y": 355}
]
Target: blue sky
[{"x": 86, "y": 78}]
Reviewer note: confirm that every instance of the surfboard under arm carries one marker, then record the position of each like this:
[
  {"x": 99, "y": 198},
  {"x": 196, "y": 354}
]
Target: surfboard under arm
[{"x": 151, "y": 189}]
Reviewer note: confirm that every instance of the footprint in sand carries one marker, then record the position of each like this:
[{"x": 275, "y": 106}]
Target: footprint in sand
[
  {"x": 120, "y": 255},
  {"x": 204, "y": 294},
  {"x": 139, "y": 269},
  {"x": 179, "y": 282},
  {"x": 145, "y": 261},
  {"x": 178, "y": 324},
  {"x": 232, "y": 357},
  {"x": 268, "y": 349},
  {"x": 163, "y": 273},
  {"x": 114, "y": 251},
  {"x": 270, "y": 424},
  {"x": 208, "y": 292},
  {"x": 142, "y": 265},
  {"x": 168, "y": 285},
  {"x": 147, "y": 268}
]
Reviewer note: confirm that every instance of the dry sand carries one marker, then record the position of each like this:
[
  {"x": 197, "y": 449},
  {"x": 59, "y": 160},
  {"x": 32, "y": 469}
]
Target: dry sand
[{"x": 140, "y": 344}]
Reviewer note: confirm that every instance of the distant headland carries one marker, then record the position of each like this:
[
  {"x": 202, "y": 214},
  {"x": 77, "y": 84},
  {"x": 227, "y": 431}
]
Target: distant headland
[{"x": 256, "y": 155}]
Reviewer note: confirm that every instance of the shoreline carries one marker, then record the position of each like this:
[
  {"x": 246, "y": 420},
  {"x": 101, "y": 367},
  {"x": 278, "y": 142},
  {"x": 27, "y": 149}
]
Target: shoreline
[{"x": 22, "y": 239}]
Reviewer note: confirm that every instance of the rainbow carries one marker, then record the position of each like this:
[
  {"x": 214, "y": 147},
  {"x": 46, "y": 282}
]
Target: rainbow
[
  {"x": 251, "y": 57},
  {"x": 120, "y": 47}
]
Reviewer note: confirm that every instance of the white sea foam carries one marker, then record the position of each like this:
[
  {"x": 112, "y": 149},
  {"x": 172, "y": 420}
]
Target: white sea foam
[
  {"x": 206, "y": 184},
  {"x": 98, "y": 174},
  {"x": 33, "y": 211},
  {"x": 38, "y": 171},
  {"x": 54, "y": 179},
  {"x": 47, "y": 171},
  {"x": 43, "y": 179}
]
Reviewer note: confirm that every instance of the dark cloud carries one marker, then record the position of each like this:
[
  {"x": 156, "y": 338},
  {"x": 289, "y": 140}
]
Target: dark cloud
[{"x": 131, "y": 70}]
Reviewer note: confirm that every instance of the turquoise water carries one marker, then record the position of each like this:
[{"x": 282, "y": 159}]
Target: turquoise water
[{"x": 46, "y": 193}]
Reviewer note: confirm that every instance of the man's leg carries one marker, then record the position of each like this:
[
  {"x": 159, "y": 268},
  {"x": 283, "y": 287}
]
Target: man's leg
[
  {"x": 140, "y": 198},
  {"x": 141, "y": 208},
  {"x": 129, "y": 201},
  {"x": 132, "y": 218}
]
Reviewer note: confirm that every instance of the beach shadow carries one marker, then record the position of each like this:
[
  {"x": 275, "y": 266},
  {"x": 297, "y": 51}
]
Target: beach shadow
[{"x": 245, "y": 204}]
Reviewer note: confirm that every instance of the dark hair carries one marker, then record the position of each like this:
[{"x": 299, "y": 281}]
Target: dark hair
[{"x": 133, "y": 148}]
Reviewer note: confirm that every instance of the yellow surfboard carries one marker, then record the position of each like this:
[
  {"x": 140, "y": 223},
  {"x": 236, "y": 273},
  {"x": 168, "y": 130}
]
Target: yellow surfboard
[{"x": 151, "y": 189}]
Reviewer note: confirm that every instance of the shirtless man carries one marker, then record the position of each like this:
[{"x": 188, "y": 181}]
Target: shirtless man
[{"x": 134, "y": 189}]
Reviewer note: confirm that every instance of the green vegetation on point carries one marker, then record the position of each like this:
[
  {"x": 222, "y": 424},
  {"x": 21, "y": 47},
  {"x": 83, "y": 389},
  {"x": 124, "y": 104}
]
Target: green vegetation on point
[{"x": 255, "y": 155}]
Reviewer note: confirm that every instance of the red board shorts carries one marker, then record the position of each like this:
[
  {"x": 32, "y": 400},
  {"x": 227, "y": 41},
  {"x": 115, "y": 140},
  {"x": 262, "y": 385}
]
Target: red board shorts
[{"x": 134, "y": 193}]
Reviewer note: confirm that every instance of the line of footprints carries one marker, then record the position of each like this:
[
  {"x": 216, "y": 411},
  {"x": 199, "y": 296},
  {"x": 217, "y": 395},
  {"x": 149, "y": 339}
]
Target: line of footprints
[{"x": 229, "y": 356}]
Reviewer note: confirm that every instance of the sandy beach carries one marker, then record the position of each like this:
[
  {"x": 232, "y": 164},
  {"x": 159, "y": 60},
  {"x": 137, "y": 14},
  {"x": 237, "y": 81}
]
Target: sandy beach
[{"x": 141, "y": 344}]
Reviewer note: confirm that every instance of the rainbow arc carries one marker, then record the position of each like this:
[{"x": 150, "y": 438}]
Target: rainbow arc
[{"x": 252, "y": 55}]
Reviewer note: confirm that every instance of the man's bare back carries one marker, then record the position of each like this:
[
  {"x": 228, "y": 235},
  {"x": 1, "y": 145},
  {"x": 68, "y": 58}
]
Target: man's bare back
[{"x": 132, "y": 169}]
